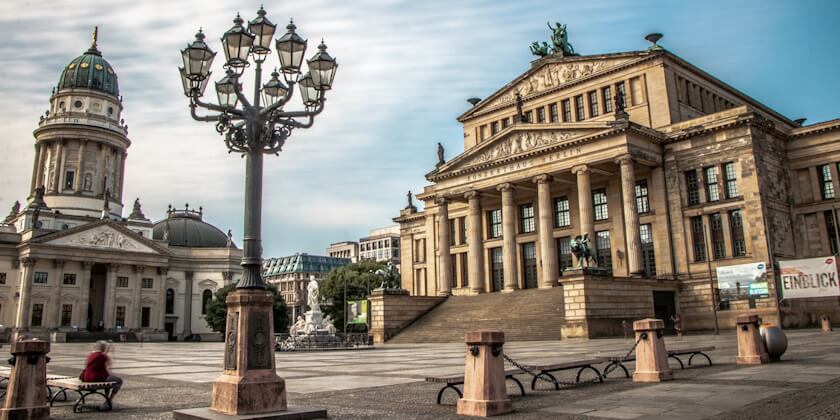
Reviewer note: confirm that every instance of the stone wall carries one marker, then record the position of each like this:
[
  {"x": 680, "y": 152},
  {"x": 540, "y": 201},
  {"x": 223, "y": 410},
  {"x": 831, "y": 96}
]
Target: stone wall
[{"x": 391, "y": 311}]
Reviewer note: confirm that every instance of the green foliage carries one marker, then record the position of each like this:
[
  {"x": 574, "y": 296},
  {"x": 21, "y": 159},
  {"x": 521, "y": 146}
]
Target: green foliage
[
  {"x": 359, "y": 278},
  {"x": 216, "y": 315}
]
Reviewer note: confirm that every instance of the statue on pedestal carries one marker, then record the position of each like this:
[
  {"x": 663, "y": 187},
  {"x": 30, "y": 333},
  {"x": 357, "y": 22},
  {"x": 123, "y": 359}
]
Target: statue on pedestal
[{"x": 581, "y": 251}]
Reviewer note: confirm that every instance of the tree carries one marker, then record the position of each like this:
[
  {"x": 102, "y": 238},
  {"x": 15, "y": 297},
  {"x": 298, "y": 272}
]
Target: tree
[
  {"x": 216, "y": 315},
  {"x": 359, "y": 278}
]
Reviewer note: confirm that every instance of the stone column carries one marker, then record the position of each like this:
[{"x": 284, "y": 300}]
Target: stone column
[
  {"x": 39, "y": 154},
  {"x": 23, "y": 318},
  {"x": 476, "y": 248},
  {"x": 80, "y": 168},
  {"x": 59, "y": 179},
  {"x": 509, "y": 238},
  {"x": 84, "y": 294},
  {"x": 188, "y": 292},
  {"x": 111, "y": 296},
  {"x": 135, "y": 301},
  {"x": 99, "y": 179},
  {"x": 631, "y": 215},
  {"x": 121, "y": 175},
  {"x": 47, "y": 167},
  {"x": 443, "y": 248},
  {"x": 161, "y": 271},
  {"x": 55, "y": 295},
  {"x": 587, "y": 226},
  {"x": 548, "y": 248}
]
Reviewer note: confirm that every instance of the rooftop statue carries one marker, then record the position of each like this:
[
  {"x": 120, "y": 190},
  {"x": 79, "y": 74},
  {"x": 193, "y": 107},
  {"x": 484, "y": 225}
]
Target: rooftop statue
[
  {"x": 559, "y": 43},
  {"x": 440, "y": 161}
]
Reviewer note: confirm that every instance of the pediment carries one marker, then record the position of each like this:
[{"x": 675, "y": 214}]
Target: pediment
[
  {"x": 104, "y": 237},
  {"x": 207, "y": 283}
]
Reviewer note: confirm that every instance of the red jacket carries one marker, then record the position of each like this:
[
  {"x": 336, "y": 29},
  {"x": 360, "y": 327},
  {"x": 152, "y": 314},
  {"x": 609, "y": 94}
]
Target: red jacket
[{"x": 96, "y": 367}]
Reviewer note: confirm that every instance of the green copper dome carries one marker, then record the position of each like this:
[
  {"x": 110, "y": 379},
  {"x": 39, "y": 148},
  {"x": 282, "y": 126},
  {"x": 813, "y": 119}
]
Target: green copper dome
[{"x": 90, "y": 71}]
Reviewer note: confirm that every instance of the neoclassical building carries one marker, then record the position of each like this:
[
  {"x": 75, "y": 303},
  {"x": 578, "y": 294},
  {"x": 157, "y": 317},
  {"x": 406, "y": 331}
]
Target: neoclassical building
[
  {"x": 670, "y": 172},
  {"x": 70, "y": 261}
]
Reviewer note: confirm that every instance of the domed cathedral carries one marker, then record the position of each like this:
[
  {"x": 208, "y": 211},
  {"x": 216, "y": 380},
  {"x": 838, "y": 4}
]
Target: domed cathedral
[{"x": 72, "y": 267}]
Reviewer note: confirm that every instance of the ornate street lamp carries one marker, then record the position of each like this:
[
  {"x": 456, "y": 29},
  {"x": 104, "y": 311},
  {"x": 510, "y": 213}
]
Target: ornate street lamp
[{"x": 252, "y": 128}]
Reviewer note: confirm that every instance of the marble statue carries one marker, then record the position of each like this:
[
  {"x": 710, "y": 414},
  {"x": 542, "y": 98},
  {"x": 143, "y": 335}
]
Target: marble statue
[
  {"x": 329, "y": 325},
  {"x": 298, "y": 327},
  {"x": 312, "y": 295},
  {"x": 229, "y": 239}
]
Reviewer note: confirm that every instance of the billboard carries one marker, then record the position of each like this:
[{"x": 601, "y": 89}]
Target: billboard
[
  {"x": 357, "y": 311},
  {"x": 742, "y": 281},
  {"x": 811, "y": 277}
]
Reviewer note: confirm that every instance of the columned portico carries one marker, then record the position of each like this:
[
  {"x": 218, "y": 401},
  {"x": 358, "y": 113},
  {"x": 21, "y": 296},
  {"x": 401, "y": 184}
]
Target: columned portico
[
  {"x": 584, "y": 189},
  {"x": 631, "y": 213},
  {"x": 84, "y": 292},
  {"x": 111, "y": 296},
  {"x": 509, "y": 259},
  {"x": 134, "y": 322},
  {"x": 444, "y": 242},
  {"x": 474, "y": 238},
  {"x": 548, "y": 248}
]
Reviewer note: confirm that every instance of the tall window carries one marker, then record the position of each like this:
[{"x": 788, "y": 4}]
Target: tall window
[
  {"x": 603, "y": 249},
  {"x": 642, "y": 203},
  {"x": 826, "y": 186},
  {"x": 593, "y": 103},
  {"x": 482, "y": 132},
  {"x": 564, "y": 252},
  {"x": 718, "y": 244},
  {"x": 529, "y": 265},
  {"x": 552, "y": 112},
  {"x": 494, "y": 228},
  {"x": 66, "y": 315},
  {"x": 579, "y": 110},
  {"x": 148, "y": 283},
  {"x": 541, "y": 114},
  {"x": 170, "y": 301},
  {"x": 529, "y": 116},
  {"x": 497, "y": 272},
  {"x": 40, "y": 278},
  {"x": 712, "y": 183},
  {"x": 730, "y": 180},
  {"x": 698, "y": 238},
  {"x": 494, "y": 127},
  {"x": 526, "y": 218},
  {"x": 69, "y": 279},
  {"x": 648, "y": 255},
  {"x": 2, "y": 278},
  {"x": 37, "y": 314},
  {"x": 736, "y": 226},
  {"x": 608, "y": 105},
  {"x": 561, "y": 212},
  {"x": 69, "y": 176},
  {"x": 463, "y": 229},
  {"x": 831, "y": 227},
  {"x": 505, "y": 123},
  {"x": 464, "y": 269},
  {"x": 621, "y": 92},
  {"x": 692, "y": 187},
  {"x": 120, "y": 323},
  {"x": 145, "y": 317},
  {"x": 567, "y": 110},
  {"x": 206, "y": 297},
  {"x": 452, "y": 231},
  {"x": 122, "y": 281},
  {"x": 599, "y": 203}
]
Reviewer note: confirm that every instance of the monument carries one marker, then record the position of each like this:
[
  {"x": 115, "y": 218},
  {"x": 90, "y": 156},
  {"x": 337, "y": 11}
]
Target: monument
[{"x": 313, "y": 330}]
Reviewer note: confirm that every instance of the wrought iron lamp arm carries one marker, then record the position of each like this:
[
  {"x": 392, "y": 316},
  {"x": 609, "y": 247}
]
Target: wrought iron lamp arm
[
  {"x": 242, "y": 99},
  {"x": 217, "y": 108},
  {"x": 298, "y": 114},
  {"x": 206, "y": 118}
]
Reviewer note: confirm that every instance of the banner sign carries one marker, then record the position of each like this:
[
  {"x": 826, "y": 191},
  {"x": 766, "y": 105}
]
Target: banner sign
[
  {"x": 811, "y": 277},
  {"x": 357, "y": 311},
  {"x": 742, "y": 281}
]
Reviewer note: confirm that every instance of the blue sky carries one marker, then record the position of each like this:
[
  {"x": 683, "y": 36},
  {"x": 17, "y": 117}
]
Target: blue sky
[{"x": 406, "y": 68}]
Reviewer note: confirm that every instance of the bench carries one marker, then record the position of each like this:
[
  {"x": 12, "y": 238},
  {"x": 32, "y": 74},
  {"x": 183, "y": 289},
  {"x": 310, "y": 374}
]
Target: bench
[
  {"x": 5, "y": 373},
  {"x": 581, "y": 365},
  {"x": 84, "y": 389},
  {"x": 672, "y": 354},
  {"x": 454, "y": 380}
]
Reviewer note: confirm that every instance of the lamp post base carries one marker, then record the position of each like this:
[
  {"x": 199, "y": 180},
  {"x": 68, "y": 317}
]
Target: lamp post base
[{"x": 292, "y": 413}]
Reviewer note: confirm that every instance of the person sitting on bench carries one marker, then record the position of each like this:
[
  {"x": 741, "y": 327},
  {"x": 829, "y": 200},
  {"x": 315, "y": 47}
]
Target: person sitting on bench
[{"x": 96, "y": 368}]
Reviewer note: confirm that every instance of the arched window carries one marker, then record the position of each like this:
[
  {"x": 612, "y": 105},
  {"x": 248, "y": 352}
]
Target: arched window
[
  {"x": 206, "y": 296},
  {"x": 170, "y": 301}
]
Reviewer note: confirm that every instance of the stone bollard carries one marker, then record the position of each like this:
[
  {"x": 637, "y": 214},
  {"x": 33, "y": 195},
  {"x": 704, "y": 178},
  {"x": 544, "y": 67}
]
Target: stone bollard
[
  {"x": 651, "y": 355},
  {"x": 26, "y": 394},
  {"x": 485, "y": 393},
  {"x": 751, "y": 349},
  {"x": 825, "y": 320}
]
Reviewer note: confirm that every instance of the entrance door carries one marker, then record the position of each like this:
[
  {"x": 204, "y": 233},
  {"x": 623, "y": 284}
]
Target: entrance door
[
  {"x": 664, "y": 307},
  {"x": 96, "y": 313},
  {"x": 170, "y": 330}
]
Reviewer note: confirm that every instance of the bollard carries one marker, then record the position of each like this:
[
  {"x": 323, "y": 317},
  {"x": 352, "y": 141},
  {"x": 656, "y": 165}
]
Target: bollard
[
  {"x": 825, "y": 320},
  {"x": 751, "y": 349},
  {"x": 26, "y": 394},
  {"x": 485, "y": 393},
  {"x": 651, "y": 356}
]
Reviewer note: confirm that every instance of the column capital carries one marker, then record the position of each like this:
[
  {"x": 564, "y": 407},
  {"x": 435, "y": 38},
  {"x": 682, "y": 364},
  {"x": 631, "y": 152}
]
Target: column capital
[
  {"x": 507, "y": 186},
  {"x": 624, "y": 159},
  {"x": 542, "y": 179},
  {"x": 469, "y": 195},
  {"x": 441, "y": 200},
  {"x": 138, "y": 269},
  {"x": 580, "y": 169},
  {"x": 28, "y": 261},
  {"x": 163, "y": 270},
  {"x": 59, "y": 263}
]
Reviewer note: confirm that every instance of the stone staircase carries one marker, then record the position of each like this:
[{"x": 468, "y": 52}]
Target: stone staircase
[{"x": 523, "y": 315}]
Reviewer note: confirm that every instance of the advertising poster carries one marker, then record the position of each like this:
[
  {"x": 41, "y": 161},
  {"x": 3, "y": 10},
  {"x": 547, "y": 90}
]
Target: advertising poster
[
  {"x": 808, "y": 278},
  {"x": 742, "y": 281},
  {"x": 357, "y": 311}
]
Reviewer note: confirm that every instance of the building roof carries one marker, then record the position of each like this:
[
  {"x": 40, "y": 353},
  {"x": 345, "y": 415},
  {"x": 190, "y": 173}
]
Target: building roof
[
  {"x": 90, "y": 71},
  {"x": 186, "y": 228},
  {"x": 302, "y": 263}
]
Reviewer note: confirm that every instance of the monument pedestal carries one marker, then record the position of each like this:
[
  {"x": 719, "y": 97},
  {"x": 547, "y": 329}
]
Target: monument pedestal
[{"x": 249, "y": 387}]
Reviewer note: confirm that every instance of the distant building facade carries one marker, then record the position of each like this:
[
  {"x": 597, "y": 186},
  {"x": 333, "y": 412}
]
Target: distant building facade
[
  {"x": 291, "y": 275},
  {"x": 381, "y": 245},
  {"x": 346, "y": 249}
]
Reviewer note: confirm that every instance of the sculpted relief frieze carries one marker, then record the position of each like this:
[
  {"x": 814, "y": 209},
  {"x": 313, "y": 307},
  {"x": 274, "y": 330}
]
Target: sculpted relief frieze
[
  {"x": 548, "y": 77},
  {"x": 519, "y": 143},
  {"x": 104, "y": 238}
]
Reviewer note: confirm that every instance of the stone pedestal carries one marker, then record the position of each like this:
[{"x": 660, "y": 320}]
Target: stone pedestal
[
  {"x": 485, "y": 393},
  {"x": 26, "y": 393},
  {"x": 751, "y": 350},
  {"x": 825, "y": 321},
  {"x": 651, "y": 355}
]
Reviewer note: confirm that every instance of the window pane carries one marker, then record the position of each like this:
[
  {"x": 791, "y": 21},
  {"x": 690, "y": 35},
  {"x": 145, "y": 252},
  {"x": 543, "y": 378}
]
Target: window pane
[
  {"x": 698, "y": 238},
  {"x": 716, "y": 227},
  {"x": 599, "y": 202},
  {"x": 561, "y": 212},
  {"x": 731, "y": 180},
  {"x": 593, "y": 103},
  {"x": 526, "y": 218},
  {"x": 552, "y": 113},
  {"x": 581, "y": 112},
  {"x": 497, "y": 269},
  {"x": 642, "y": 203},
  {"x": 692, "y": 187},
  {"x": 567, "y": 110},
  {"x": 607, "y": 93},
  {"x": 826, "y": 182},
  {"x": 736, "y": 226},
  {"x": 712, "y": 187},
  {"x": 529, "y": 265},
  {"x": 495, "y": 226},
  {"x": 603, "y": 249}
]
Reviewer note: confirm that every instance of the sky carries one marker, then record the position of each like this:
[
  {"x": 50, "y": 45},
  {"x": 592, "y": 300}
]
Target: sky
[{"x": 405, "y": 71}]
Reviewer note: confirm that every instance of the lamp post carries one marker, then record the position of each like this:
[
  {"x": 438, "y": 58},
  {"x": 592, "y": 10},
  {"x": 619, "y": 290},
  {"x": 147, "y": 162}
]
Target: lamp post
[{"x": 261, "y": 125}]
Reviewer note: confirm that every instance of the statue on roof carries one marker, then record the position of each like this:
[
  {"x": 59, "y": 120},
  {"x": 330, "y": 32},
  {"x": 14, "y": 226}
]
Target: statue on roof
[
  {"x": 410, "y": 201},
  {"x": 440, "y": 161},
  {"x": 39, "y": 197},
  {"x": 560, "y": 39},
  {"x": 15, "y": 210},
  {"x": 137, "y": 211},
  {"x": 540, "y": 50},
  {"x": 229, "y": 239}
]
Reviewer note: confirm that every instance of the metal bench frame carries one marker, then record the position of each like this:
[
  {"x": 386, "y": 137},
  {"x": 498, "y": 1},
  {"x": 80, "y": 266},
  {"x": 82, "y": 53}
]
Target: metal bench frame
[
  {"x": 547, "y": 373},
  {"x": 454, "y": 386},
  {"x": 672, "y": 354},
  {"x": 84, "y": 394}
]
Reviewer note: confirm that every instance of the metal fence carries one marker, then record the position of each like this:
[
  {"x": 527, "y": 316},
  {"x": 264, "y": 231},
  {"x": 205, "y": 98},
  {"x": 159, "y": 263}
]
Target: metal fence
[{"x": 285, "y": 342}]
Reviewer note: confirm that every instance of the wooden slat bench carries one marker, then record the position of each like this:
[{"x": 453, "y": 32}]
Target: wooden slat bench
[
  {"x": 5, "y": 373},
  {"x": 84, "y": 389},
  {"x": 545, "y": 369},
  {"x": 453, "y": 381},
  {"x": 672, "y": 354}
]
